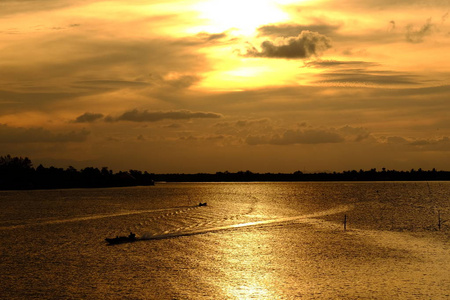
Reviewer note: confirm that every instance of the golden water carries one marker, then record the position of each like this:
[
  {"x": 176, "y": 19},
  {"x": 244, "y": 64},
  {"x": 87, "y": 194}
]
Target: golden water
[{"x": 252, "y": 241}]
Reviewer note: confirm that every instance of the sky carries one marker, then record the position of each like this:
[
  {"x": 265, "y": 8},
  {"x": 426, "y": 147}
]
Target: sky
[{"x": 170, "y": 86}]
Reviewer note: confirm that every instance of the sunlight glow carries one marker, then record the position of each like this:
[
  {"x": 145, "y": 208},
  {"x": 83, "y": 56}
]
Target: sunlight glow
[
  {"x": 245, "y": 16},
  {"x": 242, "y": 74}
]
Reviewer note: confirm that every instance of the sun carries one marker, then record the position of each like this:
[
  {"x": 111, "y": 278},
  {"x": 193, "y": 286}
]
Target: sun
[{"x": 244, "y": 16}]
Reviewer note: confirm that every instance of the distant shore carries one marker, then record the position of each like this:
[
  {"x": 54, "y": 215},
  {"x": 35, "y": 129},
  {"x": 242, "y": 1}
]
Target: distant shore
[
  {"x": 17, "y": 173},
  {"x": 361, "y": 175}
]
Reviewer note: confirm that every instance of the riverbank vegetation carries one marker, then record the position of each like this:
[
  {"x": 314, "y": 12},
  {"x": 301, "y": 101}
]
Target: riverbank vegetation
[{"x": 19, "y": 173}]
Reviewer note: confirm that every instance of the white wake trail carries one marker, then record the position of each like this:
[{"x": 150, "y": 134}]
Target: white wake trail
[{"x": 336, "y": 210}]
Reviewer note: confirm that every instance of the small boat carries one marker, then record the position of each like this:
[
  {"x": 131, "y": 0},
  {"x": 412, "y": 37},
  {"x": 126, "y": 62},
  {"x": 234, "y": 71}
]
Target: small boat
[
  {"x": 202, "y": 204},
  {"x": 122, "y": 239}
]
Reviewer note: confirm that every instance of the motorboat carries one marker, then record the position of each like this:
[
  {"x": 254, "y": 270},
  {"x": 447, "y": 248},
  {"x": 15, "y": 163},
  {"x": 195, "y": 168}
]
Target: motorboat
[{"x": 122, "y": 239}]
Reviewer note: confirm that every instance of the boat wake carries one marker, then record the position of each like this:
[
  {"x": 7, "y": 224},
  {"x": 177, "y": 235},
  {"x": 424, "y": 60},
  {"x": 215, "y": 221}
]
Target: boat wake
[
  {"x": 309, "y": 218},
  {"x": 47, "y": 221}
]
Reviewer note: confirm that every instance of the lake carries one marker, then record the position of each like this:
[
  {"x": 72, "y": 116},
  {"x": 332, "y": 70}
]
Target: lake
[{"x": 252, "y": 241}]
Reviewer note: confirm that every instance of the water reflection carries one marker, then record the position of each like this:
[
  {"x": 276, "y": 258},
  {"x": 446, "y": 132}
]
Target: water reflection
[
  {"x": 249, "y": 292},
  {"x": 248, "y": 265},
  {"x": 252, "y": 241}
]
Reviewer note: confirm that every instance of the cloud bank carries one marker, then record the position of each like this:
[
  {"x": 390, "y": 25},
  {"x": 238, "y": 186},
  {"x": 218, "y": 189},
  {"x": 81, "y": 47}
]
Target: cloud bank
[
  {"x": 290, "y": 137},
  {"x": 39, "y": 135},
  {"x": 147, "y": 116},
  {"x": 293, "y": 30}
]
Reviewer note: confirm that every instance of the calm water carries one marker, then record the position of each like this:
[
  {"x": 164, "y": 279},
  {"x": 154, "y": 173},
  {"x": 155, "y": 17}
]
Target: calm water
[{"x": 252, "y": 241}]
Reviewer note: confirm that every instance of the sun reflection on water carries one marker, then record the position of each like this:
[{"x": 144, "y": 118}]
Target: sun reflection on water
[
  {"x": 249, "y": 291},
  {"x": 249, "y": 267}
]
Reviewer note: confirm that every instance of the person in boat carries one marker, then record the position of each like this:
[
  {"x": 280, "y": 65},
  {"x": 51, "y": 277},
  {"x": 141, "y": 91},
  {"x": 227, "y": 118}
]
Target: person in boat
[{"x": 132, "y": 236}]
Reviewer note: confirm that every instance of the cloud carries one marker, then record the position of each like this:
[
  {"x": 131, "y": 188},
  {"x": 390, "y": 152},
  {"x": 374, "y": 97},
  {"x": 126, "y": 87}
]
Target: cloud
[
  {"x": 391, "y": 25},
  {"x": 163, "y": 80},
  {"x": 247, "y": 123},
  {"x": 210, "y": 138},
  {"x": 38, "y": 135},
  {"x": 182, "y": 81},
  {"x": 414, "y": 35},
  {"x": 293, "y": 30},
  {"x": 374, "y": 5},
  {"x": 88, "y": 118},
  {"x": 84, "y": 66},
  {"x": 366, "y": 77},
  {"x": 440, "y": 144},
  {"x": 299, "y": 136},
  {"x": 146, "y": 116},
  {"x": 112, "y": 84},
  {"x": 42, "y": 100},
  {"x": 78, "y": 70},
  {"x": 336, "y": 63},
  {"x": 355, "y": 134},
  {"x": 173, "y": 126},
  {"x": 23, "y": 6},
  {"x": 211, "y": 36},
  {"x": 307, "y": 134},
  {"x": 396, "y": 140},
  {"x": 432, "y": 144},
  {"x": 305, "y": 45}
]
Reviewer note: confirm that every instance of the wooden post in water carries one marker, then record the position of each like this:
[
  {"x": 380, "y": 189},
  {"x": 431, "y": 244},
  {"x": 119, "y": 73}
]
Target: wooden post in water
[
  {"x": 345, "y": 222},
  {"x": 439, "y": 220}
]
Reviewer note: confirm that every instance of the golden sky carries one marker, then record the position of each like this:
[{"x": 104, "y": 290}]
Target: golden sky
[{"x": 206, "y": 86}]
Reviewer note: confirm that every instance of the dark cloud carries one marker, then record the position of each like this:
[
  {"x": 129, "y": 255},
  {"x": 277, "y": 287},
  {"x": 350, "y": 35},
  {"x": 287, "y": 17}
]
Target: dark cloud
[
  {"x": 417, "y": 35},
  {"x": 246, "y": 123},
  {"x": 112, "y": 84},
  {"x": 38, "y": 135},
  {"x": 290, "y": 137},
  {"x": 88, "y": 118},
  {"x": 336, "y": 63},
  {"x": 432, "y": 144},
  {"x": 146, "y": 116},
  {"x": 212, "y": 36},
  {"x": 293, "y": 30},
  {"x": 206, "y": 39},
  {"x": 439, "y": 144},
  {"x": 366, "y": 77},
  {"x": 305, "y": 45}
]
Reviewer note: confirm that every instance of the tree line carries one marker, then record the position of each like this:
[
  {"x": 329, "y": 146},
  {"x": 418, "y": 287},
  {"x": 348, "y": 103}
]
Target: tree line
[
  {"x": 353, "y": 175},
  {"x": 19, "y": 173}
]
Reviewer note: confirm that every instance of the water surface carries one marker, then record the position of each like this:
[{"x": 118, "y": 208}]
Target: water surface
[{"x": 252, "y": 241}]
